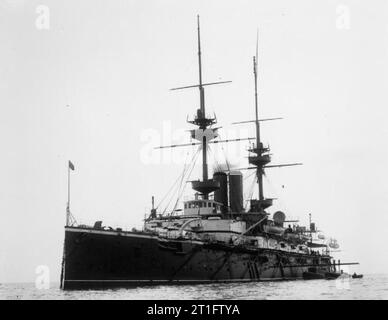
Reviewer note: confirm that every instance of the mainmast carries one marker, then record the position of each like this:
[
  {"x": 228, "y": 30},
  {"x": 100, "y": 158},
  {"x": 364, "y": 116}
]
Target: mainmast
[
  {"x": 259, "y": 171},
  {"x": 202, "y": 107},
  {"x": 261, "y": 157}
]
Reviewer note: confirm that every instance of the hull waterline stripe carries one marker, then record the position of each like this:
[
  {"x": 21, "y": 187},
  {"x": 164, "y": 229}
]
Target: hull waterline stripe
[{"x": 194, "y": 280}]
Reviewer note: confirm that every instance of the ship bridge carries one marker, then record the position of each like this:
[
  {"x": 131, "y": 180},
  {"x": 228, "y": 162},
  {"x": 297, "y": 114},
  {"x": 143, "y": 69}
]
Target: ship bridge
[{"x": 199, "y": 207}]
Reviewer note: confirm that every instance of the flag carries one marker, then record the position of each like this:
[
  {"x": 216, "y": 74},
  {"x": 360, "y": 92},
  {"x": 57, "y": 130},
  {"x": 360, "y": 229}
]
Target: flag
[{"x": 71, "y": 166}]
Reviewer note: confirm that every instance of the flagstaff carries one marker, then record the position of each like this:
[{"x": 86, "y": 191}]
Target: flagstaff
[
  {"x": 68, "y": 214},
  {"x": 69, "y": 222}
]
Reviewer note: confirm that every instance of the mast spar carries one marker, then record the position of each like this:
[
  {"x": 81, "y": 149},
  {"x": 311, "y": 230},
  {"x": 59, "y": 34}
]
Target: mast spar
[
  {"x": 260, "y": 157},
  {"x": 202, "y": 107},
  {"x": 259, "y": 171},
  {"x": 205, "y": 133},
  {"x": 256, "y": 98},
  {"x": 259, "y": 146}
]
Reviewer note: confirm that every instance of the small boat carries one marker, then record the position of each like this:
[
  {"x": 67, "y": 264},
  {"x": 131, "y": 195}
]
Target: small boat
[{"x": 357, "y": 276}]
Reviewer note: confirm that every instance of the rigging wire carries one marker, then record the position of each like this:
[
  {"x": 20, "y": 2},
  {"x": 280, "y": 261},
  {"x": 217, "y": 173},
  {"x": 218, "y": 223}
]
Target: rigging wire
[
  {"x": 182, "y": 189},
  {"x": 174, "y": 184},
  {"x": 219, "y": 166},
  {"x": 251, "y": 189},
  {"x": 216, "y": 166},
  {"x": 181, "y": 177},
  {"x": 249, "y": 175},
  {"x": 186, "y": 169},
  {"x": 226, "y": 158},
  {"x": 280, "y": 199}
]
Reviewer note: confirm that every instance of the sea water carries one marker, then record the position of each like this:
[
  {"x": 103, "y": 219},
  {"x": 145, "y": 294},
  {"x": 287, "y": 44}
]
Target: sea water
[{"x": 369, "y": 287}]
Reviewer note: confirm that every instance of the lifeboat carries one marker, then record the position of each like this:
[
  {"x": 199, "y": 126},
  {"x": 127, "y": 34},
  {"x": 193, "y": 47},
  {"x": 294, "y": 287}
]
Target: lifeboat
[{"x": 273, "y": 229}]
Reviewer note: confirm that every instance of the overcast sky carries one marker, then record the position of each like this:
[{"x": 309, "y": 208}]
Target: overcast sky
[{"x": 91, "y": 84}]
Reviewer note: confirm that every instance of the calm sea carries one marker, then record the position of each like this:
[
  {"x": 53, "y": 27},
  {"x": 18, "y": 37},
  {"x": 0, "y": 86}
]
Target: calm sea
[{"x": 370, "y": 287}]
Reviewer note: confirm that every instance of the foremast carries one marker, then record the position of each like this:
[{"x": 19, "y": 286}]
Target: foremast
[{"x": 204, "y": 133}]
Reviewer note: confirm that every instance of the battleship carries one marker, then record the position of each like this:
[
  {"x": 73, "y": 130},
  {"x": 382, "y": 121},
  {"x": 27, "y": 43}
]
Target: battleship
[{"x": 215, "y": 236}]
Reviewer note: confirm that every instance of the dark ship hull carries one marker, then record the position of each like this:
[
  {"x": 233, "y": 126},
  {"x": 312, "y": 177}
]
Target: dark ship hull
[{"x": 103, "y": 259}]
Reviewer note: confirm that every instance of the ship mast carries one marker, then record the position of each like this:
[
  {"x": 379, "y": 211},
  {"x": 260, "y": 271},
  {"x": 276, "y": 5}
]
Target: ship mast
[
  {"x": 261, "y": 157},
  {"x": 259, "y": 171},
  {"x": 205, "y": 133},
  {"x": 202, "y": 107}
]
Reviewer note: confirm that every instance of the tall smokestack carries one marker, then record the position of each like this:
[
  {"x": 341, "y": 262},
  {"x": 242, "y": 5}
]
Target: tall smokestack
[
  {"x": 221, "y": 195},
  {"x": 236, "y": 197}
]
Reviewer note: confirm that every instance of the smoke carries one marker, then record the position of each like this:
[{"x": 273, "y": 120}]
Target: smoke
[{"x": 225, "y": 166}]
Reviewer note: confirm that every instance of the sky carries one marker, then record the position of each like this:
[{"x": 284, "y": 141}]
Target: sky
[{"x": 88, "y": 81}]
